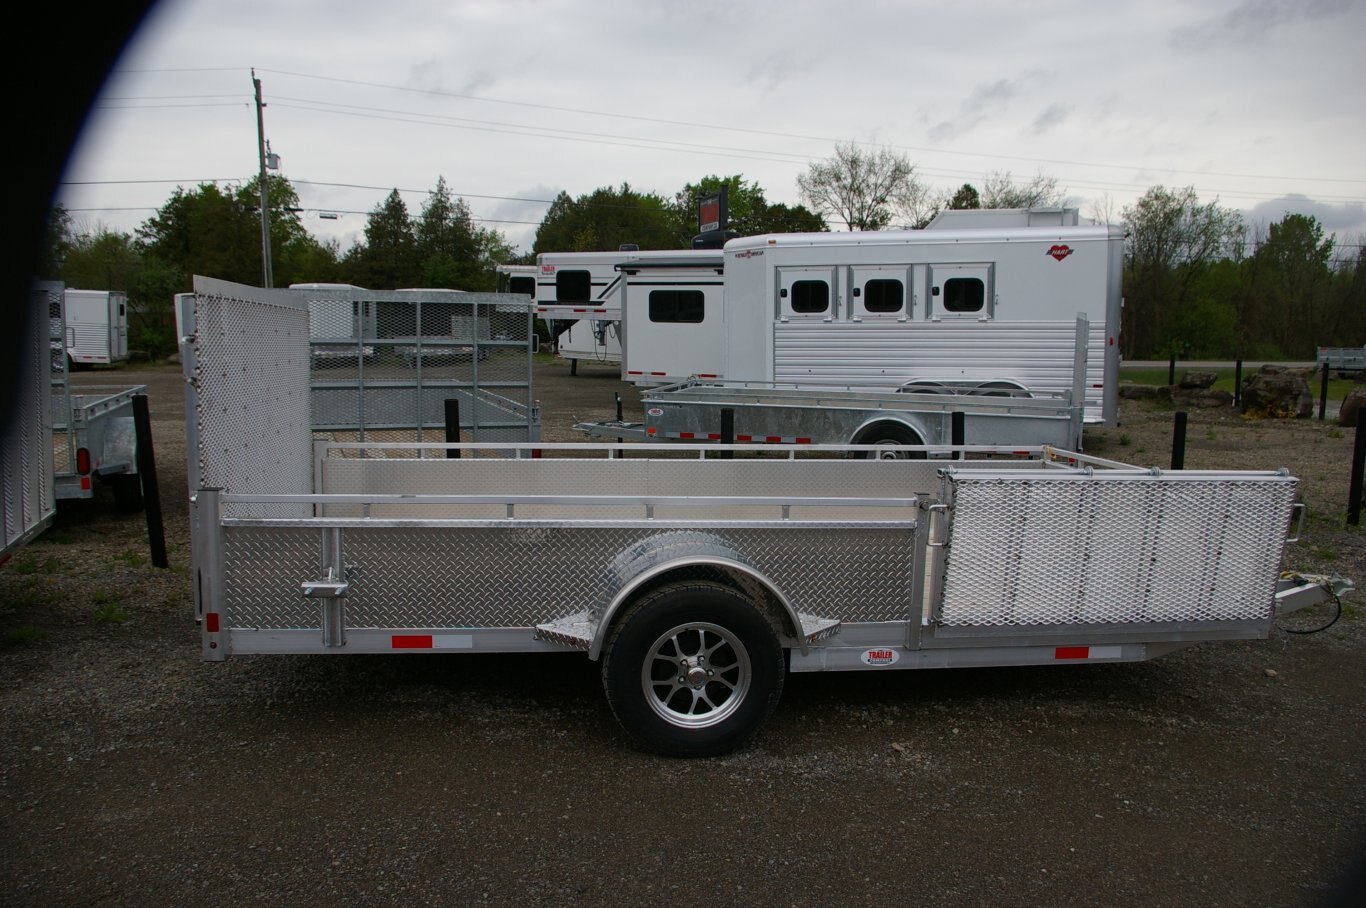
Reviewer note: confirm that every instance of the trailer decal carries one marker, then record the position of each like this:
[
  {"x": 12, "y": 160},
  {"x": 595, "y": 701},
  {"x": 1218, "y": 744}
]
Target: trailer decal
[
  {"x": 1061, "y": 251},
  {"x": 880, "y": 657}
]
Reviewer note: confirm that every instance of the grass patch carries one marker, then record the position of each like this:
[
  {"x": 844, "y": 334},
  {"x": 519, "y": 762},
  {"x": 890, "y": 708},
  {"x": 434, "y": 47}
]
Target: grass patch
[
  {"x": 25, "y": 636},
  {"x": 131, "y": 558},
  {"x": 27, "y": 563},
  {"x": 111, "y": 613},
  {"x": 1337, "y": 387}
]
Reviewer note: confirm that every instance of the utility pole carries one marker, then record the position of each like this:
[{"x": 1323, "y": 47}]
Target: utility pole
[{"x": 266, "y": 276}]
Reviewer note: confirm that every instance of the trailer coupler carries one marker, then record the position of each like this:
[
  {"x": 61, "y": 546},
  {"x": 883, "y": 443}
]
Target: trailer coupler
[{"x": 1296, "y": 591}]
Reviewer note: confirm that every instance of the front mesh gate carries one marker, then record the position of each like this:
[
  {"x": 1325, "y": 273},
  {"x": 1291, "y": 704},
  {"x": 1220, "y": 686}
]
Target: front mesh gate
[{"x": 399, "y": 366}]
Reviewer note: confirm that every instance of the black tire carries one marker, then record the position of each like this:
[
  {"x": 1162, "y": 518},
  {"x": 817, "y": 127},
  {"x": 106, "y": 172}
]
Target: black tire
[
  {"x": 889, "y": 434},
  {"x": 693, "y": 670},
  {"x": 127, "y": 492}
]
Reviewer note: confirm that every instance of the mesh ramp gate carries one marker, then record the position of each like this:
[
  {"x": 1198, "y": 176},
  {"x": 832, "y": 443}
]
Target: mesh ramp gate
[{"x": 1028, "y": 552}]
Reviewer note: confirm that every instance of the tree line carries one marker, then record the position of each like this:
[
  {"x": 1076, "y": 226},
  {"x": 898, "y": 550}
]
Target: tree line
[{"x": 1198, "y": 281}]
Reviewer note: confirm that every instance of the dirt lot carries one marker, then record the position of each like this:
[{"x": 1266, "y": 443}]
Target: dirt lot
[{"x": 133, "y": 773}]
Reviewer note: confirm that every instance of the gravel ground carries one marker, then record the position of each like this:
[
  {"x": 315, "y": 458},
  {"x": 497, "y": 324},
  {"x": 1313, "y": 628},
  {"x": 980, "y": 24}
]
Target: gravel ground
[{"x": 133, "y": 773}]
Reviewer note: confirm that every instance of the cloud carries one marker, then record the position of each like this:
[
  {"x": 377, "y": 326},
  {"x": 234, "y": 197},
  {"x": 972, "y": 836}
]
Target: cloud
[
  {"x": 428, "y": 76},
  {"x": 1053, "y": 115},
  {"x": 1253, "y": 20},
  {"x": 1347, "y": 219}
]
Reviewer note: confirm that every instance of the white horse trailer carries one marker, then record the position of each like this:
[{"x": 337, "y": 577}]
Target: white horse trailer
[
  {"x": 579, "y": 296},
  {"x": 673, "y": 318},
  {"x": 96, "y": 326},
  {"x": 952, "y": 307}
]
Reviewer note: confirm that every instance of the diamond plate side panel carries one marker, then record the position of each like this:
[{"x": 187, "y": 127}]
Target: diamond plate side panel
[
  {"x": 519, "y": 576},
  {"x": 1077, "y": 551}
]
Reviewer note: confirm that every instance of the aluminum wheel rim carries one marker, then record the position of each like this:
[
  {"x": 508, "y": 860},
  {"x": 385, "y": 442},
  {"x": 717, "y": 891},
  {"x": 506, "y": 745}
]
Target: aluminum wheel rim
[{"x": 696, "y": 675}]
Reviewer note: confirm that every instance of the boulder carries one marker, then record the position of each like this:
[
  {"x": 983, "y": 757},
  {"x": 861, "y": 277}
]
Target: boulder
[
  {"x": 1198, "y": 398},
  {"x": 1132, "y": 391},
  {"x": 1197, "y": 381},
  {"x": 1352, "y": 405},
  {"x": 1274, "y": 392}
]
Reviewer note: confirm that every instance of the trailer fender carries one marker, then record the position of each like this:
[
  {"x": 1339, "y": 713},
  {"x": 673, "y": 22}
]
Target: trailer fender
[{"x": 683, "y": 555}]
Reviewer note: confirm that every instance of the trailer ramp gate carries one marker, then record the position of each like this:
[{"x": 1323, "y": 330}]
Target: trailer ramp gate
[{"x": 1134, "y": 551}]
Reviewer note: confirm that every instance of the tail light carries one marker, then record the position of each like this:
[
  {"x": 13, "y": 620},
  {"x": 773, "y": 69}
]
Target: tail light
[{"x": 82, "y": 461}]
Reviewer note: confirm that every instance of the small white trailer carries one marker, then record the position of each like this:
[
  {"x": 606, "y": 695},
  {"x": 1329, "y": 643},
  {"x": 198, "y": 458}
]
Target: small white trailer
[
  {"x": 697, "y": 581},
  {"x": 96, "y": 326},
  {"x": 579, "y": 296}
]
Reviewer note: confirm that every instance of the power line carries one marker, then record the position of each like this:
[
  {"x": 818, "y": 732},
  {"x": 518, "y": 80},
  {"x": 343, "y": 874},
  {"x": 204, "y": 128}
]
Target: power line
[{"x": 784, "y": 135}]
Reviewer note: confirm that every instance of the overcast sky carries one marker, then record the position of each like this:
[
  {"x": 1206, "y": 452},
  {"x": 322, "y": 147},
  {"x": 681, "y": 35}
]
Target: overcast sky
[{"x": 1255, "y": 103}]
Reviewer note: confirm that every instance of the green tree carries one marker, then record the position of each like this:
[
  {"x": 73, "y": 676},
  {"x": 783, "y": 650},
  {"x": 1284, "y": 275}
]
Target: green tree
[
  {"x": 861, "y": 188},
  {"x": 388, "y": 257},
  {"x": 607, "y": 218},
  {"x": 1173, "y": 239},
  {"x": 1290, "y": 287},
  {"x": 451, "y": 250}
]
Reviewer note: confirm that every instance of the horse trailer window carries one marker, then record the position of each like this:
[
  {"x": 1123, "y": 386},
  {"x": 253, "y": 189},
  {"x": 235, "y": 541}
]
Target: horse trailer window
[
  {"x": 964, "y": 294},
  {"x": 522, "y": 284},
  {"x": 883, "y": 296},
  {"x": 676, "y": 306},
  {"x": 810, "y": 297},
  {"x": 573, "y": 287}
]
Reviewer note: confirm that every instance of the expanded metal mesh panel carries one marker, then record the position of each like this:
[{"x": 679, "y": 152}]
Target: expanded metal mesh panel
[
  {"x": 251, "y": 387},
  {"x": 518, "y": 576},
  {"x": 384, "y": 360},
  {"x": 63, "y": 437},
  {"x": 1104, "y": 551}
]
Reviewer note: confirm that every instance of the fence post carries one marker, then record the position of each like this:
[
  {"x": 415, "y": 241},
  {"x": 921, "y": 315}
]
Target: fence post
[
  {"x": 147, "y": 476},
  {"x": 1179, "y": 441},
  {"x": 452, "y": 427},
  {"x": 1171, "y": 370},
  {"x": 727, "y": 431},
  {"x": 1323, "y": 393},
  {"x": 1358, "y": 462},
  {"x": 1238, "y": 384}
]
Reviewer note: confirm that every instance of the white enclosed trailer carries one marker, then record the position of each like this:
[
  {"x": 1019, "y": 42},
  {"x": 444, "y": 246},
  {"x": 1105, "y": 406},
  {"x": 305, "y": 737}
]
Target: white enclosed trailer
[
  {"x": 579, "y": 294},
  {"x": 697, "y": 581},
  {"x": 946, "y": 307},
  {"x": 96, "y": 326}
]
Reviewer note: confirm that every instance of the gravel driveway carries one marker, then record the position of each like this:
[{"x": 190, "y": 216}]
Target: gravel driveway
[{"x": 133, "y": 773}]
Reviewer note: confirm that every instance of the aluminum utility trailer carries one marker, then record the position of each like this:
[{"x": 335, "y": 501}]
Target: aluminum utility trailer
[
  {"x": 771, "y": 413},
  {"x": 693, "y": 579},
  {"x": 993, "y": 413},
  {"x": 27, "y": 501},
  {"x": 92, "y": 428}
]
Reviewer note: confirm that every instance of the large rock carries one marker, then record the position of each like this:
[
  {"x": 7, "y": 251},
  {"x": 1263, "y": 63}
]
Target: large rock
[
  {"x": 1133, "y": 391},
  {"x": 1197, "y": 381},
  {"x": 1352, "y": 405},
  {"x": 1276, "y": 393},
  {"x": 1201, "y": 398}
]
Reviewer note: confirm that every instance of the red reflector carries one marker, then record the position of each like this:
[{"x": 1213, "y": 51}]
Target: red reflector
[
  {"x": 699, "y": 375},
  {"x": 744, "y": 438},
  {"x": 634, "y": 372},
  {"x": 800, "y": 441},
  {"x": 211, "y": 622},
  {"x": 85, "y": 483},
  {"x": 651, "y": 431},
  {"x": 411, "y": 641},
  {"x": 535, "y": 452},
  {"x": 1112, "y": 341},
  {"x": 773, "y": 439},
  {"x": 659, "y": 373},
  {"x": 686, "y": 435},
  {"x": 1072, "y": 652},
  {"x": 712, "y": 437},
  {"x": 82, "y": 460}
]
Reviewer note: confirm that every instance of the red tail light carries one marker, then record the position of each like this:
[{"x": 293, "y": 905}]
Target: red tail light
[{"x": 82, "y": 461}]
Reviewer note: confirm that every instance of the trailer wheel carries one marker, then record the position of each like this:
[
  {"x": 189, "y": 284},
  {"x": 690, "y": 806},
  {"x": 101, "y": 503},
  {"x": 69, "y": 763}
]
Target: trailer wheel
[
  {"x": 889, "y": 434},
  {"x": 693, "y": 670}
]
